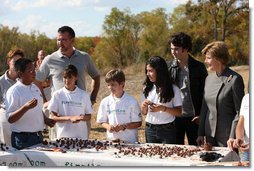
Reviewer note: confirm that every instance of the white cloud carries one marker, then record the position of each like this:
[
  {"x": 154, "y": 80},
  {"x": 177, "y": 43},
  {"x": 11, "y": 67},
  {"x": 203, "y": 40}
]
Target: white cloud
[
  {"x": 38, "y": 23},
  {"x": 26, "y": 24}
]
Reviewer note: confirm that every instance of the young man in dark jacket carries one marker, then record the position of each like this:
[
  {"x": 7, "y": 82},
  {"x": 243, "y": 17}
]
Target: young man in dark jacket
[{"x": 189, "y": 75}]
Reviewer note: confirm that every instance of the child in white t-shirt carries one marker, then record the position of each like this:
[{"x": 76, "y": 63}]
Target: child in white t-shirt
[
  {"x": 24, "y": 107},
  {"x": 161, "y": 102},
  {"x": 119, "y": 112},
  {"x": 71, "y": 107}
]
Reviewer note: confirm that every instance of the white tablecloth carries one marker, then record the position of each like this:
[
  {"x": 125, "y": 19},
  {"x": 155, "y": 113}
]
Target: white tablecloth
[{"x": 91, "y": 157}]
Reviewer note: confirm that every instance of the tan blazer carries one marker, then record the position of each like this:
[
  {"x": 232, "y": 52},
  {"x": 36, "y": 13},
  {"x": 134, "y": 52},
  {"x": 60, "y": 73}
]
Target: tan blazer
[{"x": 221, "y": 105}]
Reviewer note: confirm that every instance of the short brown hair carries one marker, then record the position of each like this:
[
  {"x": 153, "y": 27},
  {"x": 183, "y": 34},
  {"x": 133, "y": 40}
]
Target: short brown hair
[
  {"x": 70, "y": 70},
  {"x": 115, "y": 75},
  {"x": 14, "y": 52},
  {"x": 218, "y": 50}
]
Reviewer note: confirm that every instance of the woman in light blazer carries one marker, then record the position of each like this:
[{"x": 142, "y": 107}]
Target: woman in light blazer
[{"x": 224, "y": 90}]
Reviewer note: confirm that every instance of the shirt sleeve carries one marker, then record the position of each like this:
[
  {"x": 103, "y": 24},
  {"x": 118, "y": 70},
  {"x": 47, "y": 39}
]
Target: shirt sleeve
[
  {"x": 102, "y": 112},
  {"x": 53, "y": 103},
  {"x": 12, "y": 102},
  {"x": 43, "y": 72}
]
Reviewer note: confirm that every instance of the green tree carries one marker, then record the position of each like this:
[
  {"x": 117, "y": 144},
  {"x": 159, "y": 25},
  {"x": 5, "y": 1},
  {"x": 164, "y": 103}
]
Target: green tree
[
  {"x": 210, "y": 20},
  {"x": 116, "y": 31},
  {"x": 155, "y": 32},
  {"x": 221, "y": 11},
  {"x": 8, "y": 40}
]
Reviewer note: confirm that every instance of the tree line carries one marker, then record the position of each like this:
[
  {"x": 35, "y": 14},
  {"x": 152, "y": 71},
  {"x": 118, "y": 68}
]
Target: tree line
[{"x": 132, "y": 38}]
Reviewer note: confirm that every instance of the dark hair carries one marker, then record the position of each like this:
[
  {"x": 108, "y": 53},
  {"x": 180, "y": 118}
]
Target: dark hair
[
  {"x": 70, "y": 71},
  {"x": 181, "y": 40},
  {"x": 67, "y": 29},
  {"x": 21, "y": 64},
  {"x": 115, "y": 75},
  {"x": 163, "y": 81}
]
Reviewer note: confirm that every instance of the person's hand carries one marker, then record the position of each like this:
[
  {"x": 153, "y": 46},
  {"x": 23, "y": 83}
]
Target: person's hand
[
  {"x": 196, "y": 120},
  {"x": 156, "y": 107},
  {"x": 111, "y": 128},
  {"x": 144, "y": 106},
  {"x": 230, "y": 144},
  {"x": 31, "y": 104},
  {"x": 82, "y": 117},
  {"x": 118, "y": 128},
  {"x": 237, "y": 143},
  {"x": 200, "y": 140},
  {"x": 244, "y": 147},
  {"x": 146, "y": 103},
  {"x": 75, "y": 119},
  {"x": 49, "y": 122}
]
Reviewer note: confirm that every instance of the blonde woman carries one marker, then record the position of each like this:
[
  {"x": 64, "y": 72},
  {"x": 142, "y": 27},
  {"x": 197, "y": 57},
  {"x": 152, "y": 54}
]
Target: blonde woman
[{"x": 224, "y": 90}]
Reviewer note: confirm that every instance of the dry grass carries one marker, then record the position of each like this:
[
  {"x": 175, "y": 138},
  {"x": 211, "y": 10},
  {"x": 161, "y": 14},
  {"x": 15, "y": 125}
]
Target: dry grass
[{"x": 134, "y": 80}]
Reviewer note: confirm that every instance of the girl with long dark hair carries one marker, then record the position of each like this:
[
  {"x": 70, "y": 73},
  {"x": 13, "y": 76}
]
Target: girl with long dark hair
[{"x": 161, "y": 102}]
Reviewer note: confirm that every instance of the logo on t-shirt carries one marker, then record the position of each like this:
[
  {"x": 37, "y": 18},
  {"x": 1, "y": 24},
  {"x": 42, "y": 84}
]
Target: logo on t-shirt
[
  {"x": 117, "y": 111},
  {"x": 71, "y": 103}
]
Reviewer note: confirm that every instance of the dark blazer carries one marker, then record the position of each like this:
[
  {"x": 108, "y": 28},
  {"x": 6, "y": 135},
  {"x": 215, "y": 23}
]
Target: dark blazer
[
  {"x": 221, "y": 105},
  {"x": 197, "y": 75}
]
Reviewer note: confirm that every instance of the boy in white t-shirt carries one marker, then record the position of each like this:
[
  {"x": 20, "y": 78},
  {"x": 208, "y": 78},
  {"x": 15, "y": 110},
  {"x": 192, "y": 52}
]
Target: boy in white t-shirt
[
  {"x": 119, "y": 113},
  {"x": 71, "y": 107},
  {"x": 24, "y": 107}
]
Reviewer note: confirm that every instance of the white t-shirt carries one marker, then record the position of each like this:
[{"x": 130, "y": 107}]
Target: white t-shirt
[
  {"x": 245, "y": 112},
  {"x": 120, "y": 111},
  {"x": 16, "y": 96},
  {"x": 162, "y": 117},
  {"x": 71, "y": 103}
]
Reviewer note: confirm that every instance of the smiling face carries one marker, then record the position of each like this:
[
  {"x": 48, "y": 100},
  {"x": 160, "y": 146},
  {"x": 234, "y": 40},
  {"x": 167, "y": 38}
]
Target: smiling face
[
  {"x": 212, "y": 63},
  {"x": 151, "y": 73}
]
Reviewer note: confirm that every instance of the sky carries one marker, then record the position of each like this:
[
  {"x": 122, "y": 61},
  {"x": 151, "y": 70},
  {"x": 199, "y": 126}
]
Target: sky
[{"x": 86, "y": 17}]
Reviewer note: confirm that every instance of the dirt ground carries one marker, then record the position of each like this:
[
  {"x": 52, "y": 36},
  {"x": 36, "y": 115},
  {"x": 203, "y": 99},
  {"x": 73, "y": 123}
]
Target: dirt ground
[{"x": 134, "y": 80}]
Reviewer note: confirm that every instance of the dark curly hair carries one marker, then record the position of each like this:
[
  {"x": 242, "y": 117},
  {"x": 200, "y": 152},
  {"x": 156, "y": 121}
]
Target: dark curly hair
[{"x": 181, "y": 40}]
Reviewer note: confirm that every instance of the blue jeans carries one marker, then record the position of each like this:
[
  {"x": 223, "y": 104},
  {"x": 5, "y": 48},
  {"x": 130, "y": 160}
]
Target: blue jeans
[
  {"x": 25, "y": 139},
  {"x": 162, "y": 133},
  {"x": 245, "y": 155}
]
